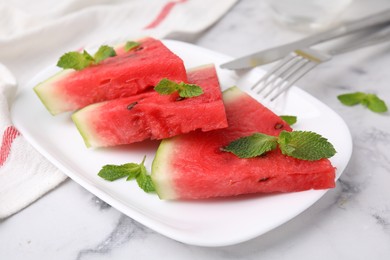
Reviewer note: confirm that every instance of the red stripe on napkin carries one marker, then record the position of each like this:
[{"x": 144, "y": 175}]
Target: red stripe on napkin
[
  {"x": 8, "y": 137},
  {"x": 163, "y": 14}
]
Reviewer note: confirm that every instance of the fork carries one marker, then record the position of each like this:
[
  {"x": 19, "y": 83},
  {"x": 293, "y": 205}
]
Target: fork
[{"x": 299, "y": 62}]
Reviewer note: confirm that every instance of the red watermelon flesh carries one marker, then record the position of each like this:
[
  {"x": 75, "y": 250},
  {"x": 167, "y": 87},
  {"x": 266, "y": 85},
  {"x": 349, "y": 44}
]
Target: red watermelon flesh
[
  {"x": 124, "y": 75},
  {"x": 151, "y": 115},
  {"x": 192, "y": 166}
]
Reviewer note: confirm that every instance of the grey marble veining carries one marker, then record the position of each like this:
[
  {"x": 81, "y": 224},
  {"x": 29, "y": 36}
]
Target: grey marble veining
[
  {"x": 351, "y": 221},
  {"x": 100, "y": 203},
  {"x": 125, "y": 230}
]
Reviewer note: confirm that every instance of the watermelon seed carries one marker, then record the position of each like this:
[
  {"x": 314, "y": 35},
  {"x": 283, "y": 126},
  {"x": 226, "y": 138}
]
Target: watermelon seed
[
  {"x": 139, "y": 49},
  {"x": 278, "y": 126},
  {"x": 105, "y": 81},
  {"x": 179, "y": 98},
  {"x": 264, "y": 179},
  {"x": 130, "y": 106}
]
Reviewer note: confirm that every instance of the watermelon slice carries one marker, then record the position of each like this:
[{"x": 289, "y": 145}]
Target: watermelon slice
[
  {"x": 124, "y": 75},
  {"x": 151, "y": 115},
  {"x": 192, "y": 166}
]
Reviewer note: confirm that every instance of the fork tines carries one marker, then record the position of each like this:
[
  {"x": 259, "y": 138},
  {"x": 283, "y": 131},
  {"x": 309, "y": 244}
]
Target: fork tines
[{"x": 286, "y": 72}]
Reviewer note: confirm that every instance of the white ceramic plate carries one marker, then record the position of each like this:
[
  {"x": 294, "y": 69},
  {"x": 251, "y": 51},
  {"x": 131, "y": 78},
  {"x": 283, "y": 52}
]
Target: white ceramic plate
[{"x": 216, "y": 222}]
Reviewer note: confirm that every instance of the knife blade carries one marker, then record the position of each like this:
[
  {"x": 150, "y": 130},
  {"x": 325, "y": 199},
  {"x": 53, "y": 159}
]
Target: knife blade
[
  {"x": 276, "y": 53},
  {"x": 264, "y": 57}
]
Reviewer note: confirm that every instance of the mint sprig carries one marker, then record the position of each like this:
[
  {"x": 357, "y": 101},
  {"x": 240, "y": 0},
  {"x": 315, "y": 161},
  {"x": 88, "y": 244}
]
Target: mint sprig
[
  {"x": 131, "y": 171},
  {"x": 371, "y": 101},
  {"x": 81, "y": 60},
  {"x": 252, "y": 146},
  {"x": 304, "y": 145},
  {"x": 75, "y": 60},
  {"x": 103, "y": 53},
  {"x": 131, "y": 45},
  {"x": 290, "y": 120},
  {"x": 167, "y": 87}
]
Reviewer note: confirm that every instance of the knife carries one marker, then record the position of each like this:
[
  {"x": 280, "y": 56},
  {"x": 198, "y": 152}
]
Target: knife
[{"x": 276, "y": 53}]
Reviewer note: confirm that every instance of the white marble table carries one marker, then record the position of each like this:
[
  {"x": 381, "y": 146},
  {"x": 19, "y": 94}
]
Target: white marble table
[{"x": 351, "y": 221}]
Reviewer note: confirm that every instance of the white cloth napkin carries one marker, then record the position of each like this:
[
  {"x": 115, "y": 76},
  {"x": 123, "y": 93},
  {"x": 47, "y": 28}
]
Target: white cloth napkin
[{"x": 33, "y": 34}]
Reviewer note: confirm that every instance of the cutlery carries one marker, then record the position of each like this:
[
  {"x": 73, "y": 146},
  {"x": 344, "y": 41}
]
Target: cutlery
[
  {"x": 299, "y": 62},
  {"x": 276, "y": 53}
]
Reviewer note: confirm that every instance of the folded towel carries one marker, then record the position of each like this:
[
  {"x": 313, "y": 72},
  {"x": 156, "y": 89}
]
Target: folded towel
[{"x": 35, "y": 33}]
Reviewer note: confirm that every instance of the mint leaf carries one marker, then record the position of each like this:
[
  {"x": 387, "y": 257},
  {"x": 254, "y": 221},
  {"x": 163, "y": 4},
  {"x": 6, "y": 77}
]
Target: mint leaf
[
  {"x": 305, "y": 145},
  {"x": 189, "y": 90},
  {"x": 371, "y": 101},
  {"x": 374, "y": 103},
  {"x": 144, "y": 180},
  {"x": 113, "y": 172},
  {"x": 103, "y": 53},
  {"x": 131, "y": 45},
  {"x": 252, "y": 146},
  {"x": 75, "y": 60},
  {"x": 81, "y": 60},
  {"x": 290, "y": 120},
  {"x": 167, "y": 87},
  {"x": 351, "y": 99},
  {"x": 131, "y": 171}
]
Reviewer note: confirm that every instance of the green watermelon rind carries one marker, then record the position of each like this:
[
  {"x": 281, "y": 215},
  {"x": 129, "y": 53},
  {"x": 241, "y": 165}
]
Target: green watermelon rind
[
  {"x": 48, "y": 97},
  {"x": 231, "y": 94},
  {"x": 162, "y": 182},
  {"x": 82, "y": 125},
  {"x": 161, "y": 170}
]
